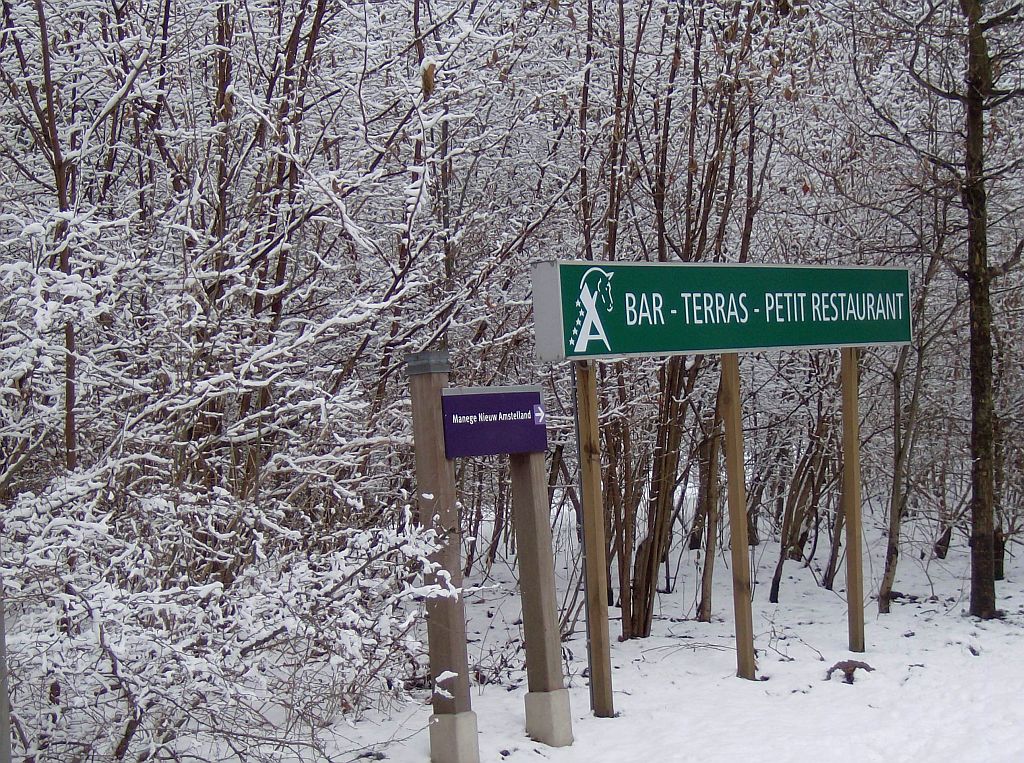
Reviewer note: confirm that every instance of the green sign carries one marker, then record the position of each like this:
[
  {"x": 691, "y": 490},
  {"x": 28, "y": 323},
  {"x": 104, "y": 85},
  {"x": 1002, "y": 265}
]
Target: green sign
[{"x": 610, "y": 309}]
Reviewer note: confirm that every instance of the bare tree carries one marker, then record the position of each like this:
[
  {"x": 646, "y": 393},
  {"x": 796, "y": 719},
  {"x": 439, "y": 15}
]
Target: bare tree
[{"x": 927, "y": 40}]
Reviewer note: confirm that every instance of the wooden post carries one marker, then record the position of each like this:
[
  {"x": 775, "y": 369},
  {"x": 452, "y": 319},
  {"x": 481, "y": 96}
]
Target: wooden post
[
  {"x": 548, "y": 718},
  {"x": 851, "y": 498},
  {"x": 594, "y": 544},
  {"x": 453, "y": 728},
  {"x": 736, "y": 477}
]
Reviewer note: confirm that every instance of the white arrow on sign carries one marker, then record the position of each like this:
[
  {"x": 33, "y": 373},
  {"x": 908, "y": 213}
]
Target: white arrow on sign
[{"x": 539, "y": 416}]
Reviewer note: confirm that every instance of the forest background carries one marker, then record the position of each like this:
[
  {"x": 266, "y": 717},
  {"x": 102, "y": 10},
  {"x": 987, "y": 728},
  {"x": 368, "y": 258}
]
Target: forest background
[{"x": 225, "y": 224}]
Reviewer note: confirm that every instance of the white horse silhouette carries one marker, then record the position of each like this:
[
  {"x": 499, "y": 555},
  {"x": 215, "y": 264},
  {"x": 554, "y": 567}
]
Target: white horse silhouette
[{"x": 595, "y": 294}]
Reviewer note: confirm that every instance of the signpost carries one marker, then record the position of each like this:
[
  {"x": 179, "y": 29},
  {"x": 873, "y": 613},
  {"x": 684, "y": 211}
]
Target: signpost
[
  {"x": 588, "y": 438},
  {"x": 737, "y": 501},
  {"x": 453, "y": 726},
  {"x": 450, "y": 423},
  {"x": 610, "y": 310},
  {"x": 488, "y": 421},
  {"x": 851, "y": 499}
]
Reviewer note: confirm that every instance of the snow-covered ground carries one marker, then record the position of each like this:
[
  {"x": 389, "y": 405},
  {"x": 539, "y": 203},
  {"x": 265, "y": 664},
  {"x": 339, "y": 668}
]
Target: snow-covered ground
[{"x": 945, "y": 686}]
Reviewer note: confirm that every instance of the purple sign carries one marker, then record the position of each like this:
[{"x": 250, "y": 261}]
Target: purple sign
[{"x": 487, "y": 421}]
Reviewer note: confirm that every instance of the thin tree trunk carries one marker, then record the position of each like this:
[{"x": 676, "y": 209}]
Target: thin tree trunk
[
  {"x": 710, "y": 484},
  {"x": 63, "y": 179},
  {"x": 903, "y": 437},
  {"x": 829, "y": 578},
  {"x": 676, "y": 385},
  {"x": 478, "y": 513},
  {"x": 586, "y": 203},
  {"x": 801, "y": 503}
]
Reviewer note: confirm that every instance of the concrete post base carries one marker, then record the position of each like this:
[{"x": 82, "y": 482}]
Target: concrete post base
[
  {"x": 453, "y": 738},
  {"x": 548, "y": 718}
]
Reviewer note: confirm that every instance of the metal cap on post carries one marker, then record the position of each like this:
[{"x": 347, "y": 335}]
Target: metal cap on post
[
  {"x": 427, "y": 362},
  {"x": 453, "y": 727}
]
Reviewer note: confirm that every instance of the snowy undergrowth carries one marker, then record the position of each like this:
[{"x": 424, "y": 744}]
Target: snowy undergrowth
[{"x": 185, "y": 626}]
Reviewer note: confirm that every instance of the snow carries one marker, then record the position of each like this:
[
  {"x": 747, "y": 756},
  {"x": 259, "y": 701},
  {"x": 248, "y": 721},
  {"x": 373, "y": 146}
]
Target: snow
[{"x": 945, "y": 686}]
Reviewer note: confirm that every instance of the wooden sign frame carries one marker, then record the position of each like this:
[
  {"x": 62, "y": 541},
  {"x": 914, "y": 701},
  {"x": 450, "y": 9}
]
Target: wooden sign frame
[{"x": 453, "y": 726}]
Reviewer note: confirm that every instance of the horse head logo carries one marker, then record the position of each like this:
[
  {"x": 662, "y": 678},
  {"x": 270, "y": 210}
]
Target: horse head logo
[{"x": 595, "y": 295}]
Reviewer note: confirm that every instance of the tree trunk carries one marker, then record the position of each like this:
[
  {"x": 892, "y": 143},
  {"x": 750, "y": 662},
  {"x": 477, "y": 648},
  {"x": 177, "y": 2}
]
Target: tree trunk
[
  {"x": 829, "y": 578},
  {"x": 64, "y": 184},
  {"x": 677, "y": 383},
  {"x": 979, "y": 86},
  {"x": 903, "y": 437},
  {"x": 892, "y": 547},
  {"x": 801, "y": 503},
  {"x": 709, "y": 452}
]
